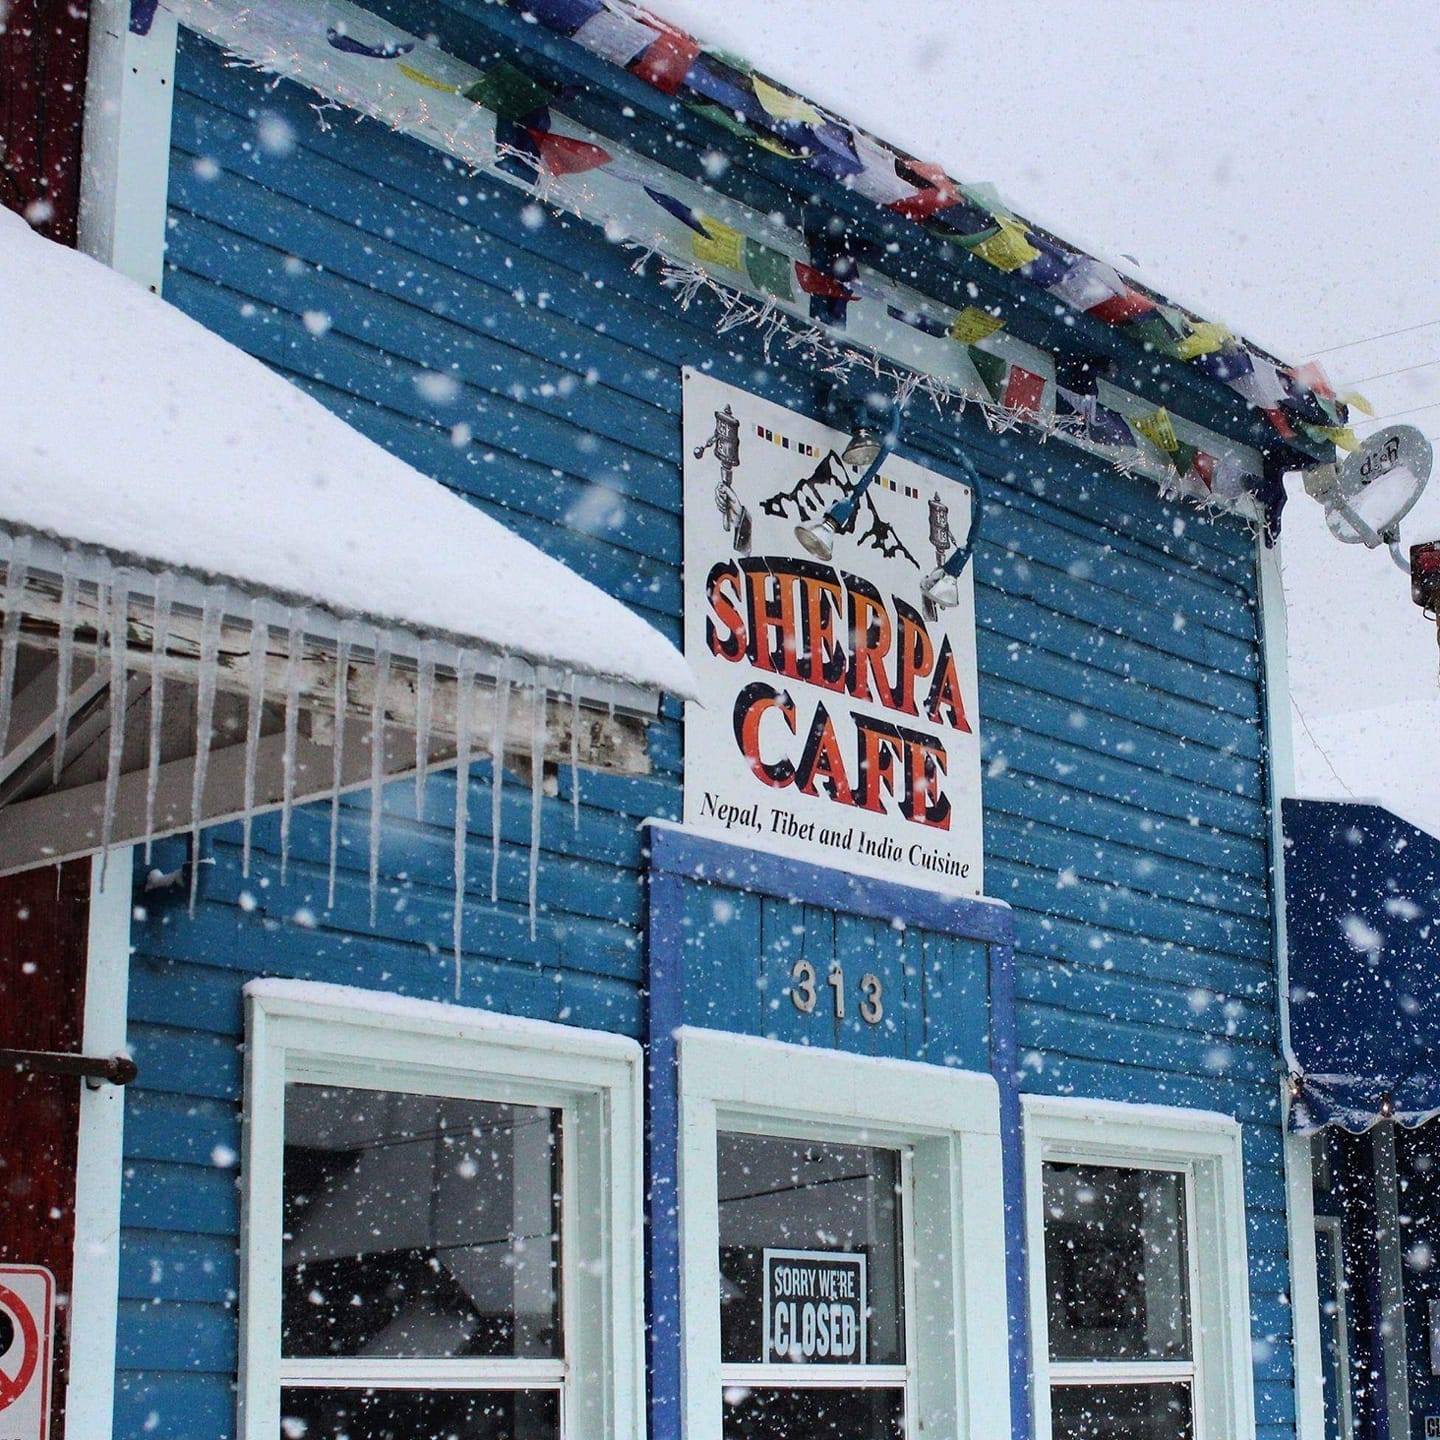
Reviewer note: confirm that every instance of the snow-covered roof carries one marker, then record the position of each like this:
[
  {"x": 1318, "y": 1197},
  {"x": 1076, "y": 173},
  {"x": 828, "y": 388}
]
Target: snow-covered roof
[{"x": 126, "y": 425}]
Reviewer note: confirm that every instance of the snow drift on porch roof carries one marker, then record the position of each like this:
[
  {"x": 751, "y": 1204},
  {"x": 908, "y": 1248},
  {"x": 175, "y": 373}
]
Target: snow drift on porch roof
[
  {"x": 126, "y": 425},
  {"x": 174, "y": 513}
]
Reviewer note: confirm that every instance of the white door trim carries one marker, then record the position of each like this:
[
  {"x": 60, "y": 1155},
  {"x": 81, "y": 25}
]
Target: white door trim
[
  {"x": 1300, "y": 1206},
  {"x": 94, "y": 1291},
  {"x": 125, "y": 161}
]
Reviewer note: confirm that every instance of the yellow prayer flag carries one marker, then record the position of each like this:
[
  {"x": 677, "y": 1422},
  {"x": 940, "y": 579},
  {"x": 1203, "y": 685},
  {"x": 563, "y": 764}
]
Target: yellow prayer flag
[
  {"x": 720, "y": 245},
  {"x": 1203, "y": 339},
  {"x": 1157, "y": 428},
  {"x": 1356, "y": 399},
  {"x": 1008, "y": 248},
  {"x": 972, "y": 325},
  {"x": 1341, "y": 435},
  {"x": 428, "y": 81},
  {"x": 784, "y": 106},
  {"x": 773, "y": 146}
]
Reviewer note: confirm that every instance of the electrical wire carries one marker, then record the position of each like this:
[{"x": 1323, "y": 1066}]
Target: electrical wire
[
  {"x": 1386, "y": 374},
  {"x": 1395, "y": 414},
  {"x": 1320, "y": 750},
  {"x": 1384, "y": 335}
]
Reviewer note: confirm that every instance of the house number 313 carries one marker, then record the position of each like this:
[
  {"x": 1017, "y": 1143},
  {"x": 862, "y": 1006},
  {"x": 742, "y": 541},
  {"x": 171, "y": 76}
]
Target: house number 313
[{"x": 805, "y": 992}]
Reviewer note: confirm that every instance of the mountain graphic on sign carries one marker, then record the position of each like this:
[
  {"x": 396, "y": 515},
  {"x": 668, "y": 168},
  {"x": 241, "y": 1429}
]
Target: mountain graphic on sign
[{"x": 820, "y": 489}]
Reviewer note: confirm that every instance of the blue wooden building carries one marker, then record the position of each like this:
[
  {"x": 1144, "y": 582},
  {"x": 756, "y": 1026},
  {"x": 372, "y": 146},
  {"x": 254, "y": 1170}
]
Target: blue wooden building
[{"x": 707, "y": 1137}]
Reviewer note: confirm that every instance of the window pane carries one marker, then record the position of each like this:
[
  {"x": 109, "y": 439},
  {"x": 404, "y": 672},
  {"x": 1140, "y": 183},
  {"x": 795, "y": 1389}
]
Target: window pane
[
  {"x": 1122, "y": 1412},
  {"x": 837, "y": 1297},
  {"x": 1115, "y": 1263},
  {"x": 774, "y": 1414},
  {"x": 329, "y": 1414},
  {"x": 418, "y": 1226}
]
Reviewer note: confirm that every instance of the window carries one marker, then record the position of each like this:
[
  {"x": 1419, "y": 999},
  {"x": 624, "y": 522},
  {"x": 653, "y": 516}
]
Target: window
[
  {"x": 418, "y": 1258},
  {"x": 812, "y": 1287},
  {"x": 816, "y": 1190},
  {"x": 1117, "y": 1294},
  {"x": 1138, "y": 1287}
]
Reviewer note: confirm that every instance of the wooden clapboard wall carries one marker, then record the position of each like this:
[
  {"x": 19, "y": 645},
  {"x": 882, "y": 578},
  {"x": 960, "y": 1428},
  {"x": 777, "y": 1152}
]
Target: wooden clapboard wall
[{"x": 1124, "y": 785}]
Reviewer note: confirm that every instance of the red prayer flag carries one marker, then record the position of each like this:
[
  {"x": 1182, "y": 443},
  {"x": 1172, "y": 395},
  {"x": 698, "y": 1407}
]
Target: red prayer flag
[
  {"x": 1283, "y": 428},
  {"x": 1313, "y": 377},
  {"x": 564, "y": 155},
  {"x": 1204, "y": 466},
  {"x": 941, "y": 194},
  {"x": 1024, "y": 391},
  {"x": 817, "y": 282},
  {"x": 1121, "y": 309},
  {"x": 665, "y": 62}
]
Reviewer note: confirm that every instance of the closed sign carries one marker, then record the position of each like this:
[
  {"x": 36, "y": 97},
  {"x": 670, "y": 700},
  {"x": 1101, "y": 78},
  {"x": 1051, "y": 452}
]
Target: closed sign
[
  {"x": 27, "y": 1329},
  {"x": 814, "y": 1308}
]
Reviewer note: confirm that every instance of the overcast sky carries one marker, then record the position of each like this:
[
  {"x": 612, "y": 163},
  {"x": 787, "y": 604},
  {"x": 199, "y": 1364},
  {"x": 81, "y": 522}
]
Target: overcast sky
[{"x": 1277, "y": 168}]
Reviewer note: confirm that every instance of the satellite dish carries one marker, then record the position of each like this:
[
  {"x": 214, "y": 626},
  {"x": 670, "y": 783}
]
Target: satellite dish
[{"x": 1377, "y": 486}]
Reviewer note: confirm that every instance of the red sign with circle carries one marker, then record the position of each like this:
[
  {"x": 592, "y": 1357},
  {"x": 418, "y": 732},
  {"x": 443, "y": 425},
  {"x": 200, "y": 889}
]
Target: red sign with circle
[{"x": 27, "y": 1328}]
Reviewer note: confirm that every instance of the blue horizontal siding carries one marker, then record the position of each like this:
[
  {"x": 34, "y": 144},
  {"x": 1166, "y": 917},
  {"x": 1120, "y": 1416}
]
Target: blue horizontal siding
[{"x": 1124, "y": 783}]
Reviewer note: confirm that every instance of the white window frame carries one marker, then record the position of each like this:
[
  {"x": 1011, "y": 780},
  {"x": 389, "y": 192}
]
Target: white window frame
[
  {"x": 1205, "y": 1148},
  {"x": 297, "y": 1031},
  {"x": 946, "y": 1124}
]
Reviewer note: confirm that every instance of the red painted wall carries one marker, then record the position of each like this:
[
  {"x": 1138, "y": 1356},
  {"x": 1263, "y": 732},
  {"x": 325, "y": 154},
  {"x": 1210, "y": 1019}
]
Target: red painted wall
[
  {"x": 44, "y": 915},
  {"x": 43, "y": 45}
]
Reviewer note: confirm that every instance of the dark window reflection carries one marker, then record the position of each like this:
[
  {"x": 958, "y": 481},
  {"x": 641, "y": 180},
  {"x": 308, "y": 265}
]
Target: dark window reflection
[
  {"x": 418, "y": 1226},
  {"x": 775, "y": 1414},
  {"x": 334, "y": 1414},
  {"x": 1121, "y": 1412},
  {"x": 807, "y": 1195},
  {"x": 1116, "y": 1264}
]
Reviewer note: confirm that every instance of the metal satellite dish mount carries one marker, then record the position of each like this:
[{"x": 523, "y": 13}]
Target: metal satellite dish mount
[{"x": 1376, "y": 487}]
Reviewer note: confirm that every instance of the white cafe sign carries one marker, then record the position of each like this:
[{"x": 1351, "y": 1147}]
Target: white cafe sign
[{"x": 838, "y": 718}]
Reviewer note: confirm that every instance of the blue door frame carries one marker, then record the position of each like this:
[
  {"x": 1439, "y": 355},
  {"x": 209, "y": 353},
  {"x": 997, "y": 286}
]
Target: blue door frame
[{"x": 679, "y": 858}]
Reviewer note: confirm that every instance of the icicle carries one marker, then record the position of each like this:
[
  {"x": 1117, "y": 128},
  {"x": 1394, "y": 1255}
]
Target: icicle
[
  {"x": 342, "y": 702},
  {"x": 575, "y": 750},
  {"x": 377, "y": 765},
  {"x": 424, "y": 708},
  {"x": 254, "y": 713},
  {"x": 159, "y": 647},
  {"x": 294, "y": 646},
  {"x": 115, "y": 744},
  {"x": 537, "y": 787},
  {"x": 497, "y": 769},
  {"x": 16, "y": 574},
  {"x": 211, "y": 614},
  {"x": 64, "y": 664},
  {"x": 464, "y": 688}
]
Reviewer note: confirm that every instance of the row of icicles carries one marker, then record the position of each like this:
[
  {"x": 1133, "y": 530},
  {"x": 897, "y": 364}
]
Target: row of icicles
[{"x": 113, "y": 588}]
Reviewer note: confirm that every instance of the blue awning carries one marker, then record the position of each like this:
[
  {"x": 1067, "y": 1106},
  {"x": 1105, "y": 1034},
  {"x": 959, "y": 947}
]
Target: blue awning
[{"x": 1362, "y": 904}]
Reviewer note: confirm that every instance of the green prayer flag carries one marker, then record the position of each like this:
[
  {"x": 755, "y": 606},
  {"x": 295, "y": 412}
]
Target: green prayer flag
[
  {"x": 509, "y": 92},
  {"x": 725, "y": 119},
  {"x": 992, "y": 370},
  {"x": 1183, "y": 456},
  {"x": 768, "y": 268},
  {"x": 1155, "y": 329}
]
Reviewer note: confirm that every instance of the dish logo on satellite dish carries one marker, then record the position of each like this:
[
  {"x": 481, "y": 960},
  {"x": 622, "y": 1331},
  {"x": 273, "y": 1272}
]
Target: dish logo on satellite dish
[{"x": 1380, "y": 459}]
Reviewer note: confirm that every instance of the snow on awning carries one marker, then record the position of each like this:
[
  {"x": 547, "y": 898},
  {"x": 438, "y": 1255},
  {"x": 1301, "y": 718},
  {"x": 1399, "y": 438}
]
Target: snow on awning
[
  {"x": 1362, "y": 910},
  {"x": 195, "y": 545},
  {"x": 129, "y": 426}
]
